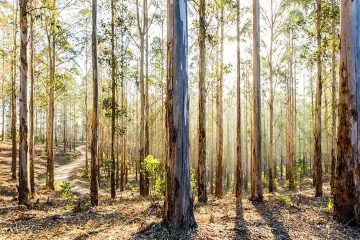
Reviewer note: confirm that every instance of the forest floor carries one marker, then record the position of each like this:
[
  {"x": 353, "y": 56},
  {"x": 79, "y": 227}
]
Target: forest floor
[{"x": 284, "y": 215}]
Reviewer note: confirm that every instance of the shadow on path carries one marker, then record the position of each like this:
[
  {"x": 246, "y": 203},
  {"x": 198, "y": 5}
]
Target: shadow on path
[
  {"x": 242, "y": 232},
  {"x": 277, "y": 228}
]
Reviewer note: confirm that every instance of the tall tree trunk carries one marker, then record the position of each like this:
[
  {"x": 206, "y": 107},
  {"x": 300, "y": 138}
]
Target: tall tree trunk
[
  {"x": 94, "y": 178},
  {"x": 113, "y": 100},
  {"x": 219, "y": 114},
  {"x": 64, "y": 133},
  {"x": 333, "y": 99},
  {"x": 271, "y": 104},
  {"x": 144, "y": 189},
  {"x": 347, "y": 167},
  {"x": 147, "y": 106},
  {"x": 317, "y": 128},
  {"x": 178, "y": 206},
  {"x": 24, "y": 188},
  {"x": 32, "y": 86},
  {"x": 13, "y": 99},
  {"x": 202, "y": 195},
  {"x": 86, "y": 110},
  {"x": 3, "y": 95},
  {"x": 238, "y": 171},
  {"x": 51, "y": 109},
  {"x": 256, "y": 184}
]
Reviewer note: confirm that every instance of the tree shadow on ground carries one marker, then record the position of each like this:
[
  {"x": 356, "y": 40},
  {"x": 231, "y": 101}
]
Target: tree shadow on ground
[
  {"x": 159, "y": 231},
  {"x": 277, "y": 228},
  {"x": 242, "y": 232}
]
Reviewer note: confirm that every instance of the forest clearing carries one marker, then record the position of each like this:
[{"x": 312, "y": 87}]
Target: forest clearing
[
  {"x": 284, "y": 215},
  {"x": 194, "y": 119}
]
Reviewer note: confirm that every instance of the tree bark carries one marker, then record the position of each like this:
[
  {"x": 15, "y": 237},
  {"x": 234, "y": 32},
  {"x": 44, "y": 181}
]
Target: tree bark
[
  {"x": 238, "y": 171},
  {"x": 144, "y": 189},
  {"x": 113, "y": 100},
  {"x": 178, "y": 206},
  {"x": 219, "y": 114},
  {"x": 24, "y": 187},
  {"x": 13, "y": 100},
  {"x": 3, "y": 95},
  {"x": 317, "y": 128},
  {"x": 333, "y": 100},
  {"x": 94, "y": 178},
  {"x": 347, "y": 167},
  {"x": 32, "y": 86},
  {"x": 202, "y": 194},
  {"x": 271, "y": 104},
  {"x": 51, "y": 109},
  {"x": 256, "y": 184}
]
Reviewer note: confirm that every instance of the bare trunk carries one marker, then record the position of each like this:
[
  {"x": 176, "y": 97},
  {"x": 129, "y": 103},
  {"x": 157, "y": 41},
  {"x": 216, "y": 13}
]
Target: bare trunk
[
  {"x": 271, "y": 104},
  {"x": 144, "y": 189},
  {"x": 219, "y": 114},
  {"x": 24, "y": 188},
  {"x": 31, "y": 136},
  {"x": 13, "y": 99},
  {"x": 113, "y": 100},
  {"x": 201, "y": 174},
  {"x": 317, "y": 127},
  {"x": 347, "y": 167},
  {"x": 238, "y": 171},
  {"x": 333, "y": 102},
  {"x": 256, "y": 184},
  {"x": 178, "y": 206},
  {"x": 94, "y": 178}
]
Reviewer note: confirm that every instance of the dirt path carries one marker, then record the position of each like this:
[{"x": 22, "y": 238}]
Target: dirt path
[{"x": 65, "y": 172}]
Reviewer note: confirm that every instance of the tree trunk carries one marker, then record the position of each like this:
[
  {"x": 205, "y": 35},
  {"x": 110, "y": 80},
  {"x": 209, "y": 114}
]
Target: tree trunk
[
  {"x": 238, "y": 172},
  {"x": 202, "y": 195},
  {"x": 86, "y": 110},
  {"x": 51, "y": 109},
  {"x": 144, "y": 189},
  {"x": 256, "y": 184},
  {"x": 3, "y": 95},
  {"x": 24, "y": 188},
  {"x": 13, "y": 99},
  {"x": 317, "y": 128},
  {"x": 347, "y": 167},
  {"x": 178, "y": 206},
  {"x": 32, "y": 86},
  {"x": 219, "y": 114},
  {"x": 94, "y": 178},
  {"x": 271, "y": 104},
  {"x": 333, "y": 100},
  {"x": 113, "y": 100}
]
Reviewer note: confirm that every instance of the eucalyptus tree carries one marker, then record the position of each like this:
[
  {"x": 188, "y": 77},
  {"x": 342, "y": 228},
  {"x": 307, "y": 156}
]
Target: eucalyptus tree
[
  {"x": 24, "y": 187},
  {"x": 317, "y": 125},
  {"x": 202, "y": 193},
  {"x": 178, "y": 206},
  {"x": 94, "y": 177},
  {"x": 256, "y": 184},
  {"x": 219, "y": 109},
  {"x": 238, "y": 171},
  {"x": 13, "y": 93},
  {"x": 346, "y": 181}
]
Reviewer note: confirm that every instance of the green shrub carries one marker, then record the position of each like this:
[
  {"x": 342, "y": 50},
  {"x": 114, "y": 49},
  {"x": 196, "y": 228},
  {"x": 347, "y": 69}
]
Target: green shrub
[
  {"x": 193, "y": 182},
  {"x": 129, "y": 187},
  {"x": 65, "y": 189},
  {"x": 160, "y": 187},
  {"x": 155, "y": 169},
  {"x": 330, "y": 204},
  {"x": 152, "y": 166},
  {"x": 283, "y": 200},
  {"x": 286, "y": 184}
]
